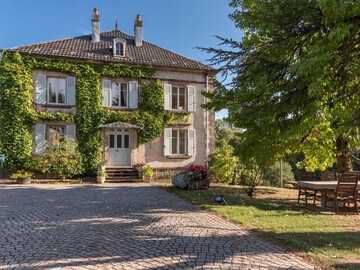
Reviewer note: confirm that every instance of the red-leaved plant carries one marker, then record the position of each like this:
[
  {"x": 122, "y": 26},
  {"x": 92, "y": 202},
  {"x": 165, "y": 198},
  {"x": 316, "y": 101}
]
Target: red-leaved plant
[{"x": 200, "y": 170}]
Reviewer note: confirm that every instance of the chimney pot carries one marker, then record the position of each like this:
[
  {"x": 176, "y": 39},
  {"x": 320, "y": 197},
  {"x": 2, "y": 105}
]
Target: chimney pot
[
  {"x": 95, "y": 26},
  {"x": 138, "y": 31}
]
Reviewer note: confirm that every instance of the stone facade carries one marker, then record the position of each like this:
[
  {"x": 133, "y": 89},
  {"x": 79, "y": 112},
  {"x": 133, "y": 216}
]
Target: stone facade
[{"x": 153, "y": 152}]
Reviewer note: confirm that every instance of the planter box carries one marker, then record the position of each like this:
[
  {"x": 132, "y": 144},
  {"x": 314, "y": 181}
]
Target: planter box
[
  {"x": 101, "y": 179},
  {"x": 23, "y": 180},
  {"x": 202, "y": 184},
  {"x": 147, "y": 178}
]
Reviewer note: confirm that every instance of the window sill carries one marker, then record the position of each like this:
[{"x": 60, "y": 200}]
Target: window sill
[
  {"x": 178, "y": 157},
  {"x": 55, "y": 106},
  {"x": 119, "y": 109},
  {"x": 179, "y": 111}
]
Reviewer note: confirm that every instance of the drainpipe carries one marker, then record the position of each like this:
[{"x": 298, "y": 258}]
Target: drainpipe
[{"x": 207, "y": 124}]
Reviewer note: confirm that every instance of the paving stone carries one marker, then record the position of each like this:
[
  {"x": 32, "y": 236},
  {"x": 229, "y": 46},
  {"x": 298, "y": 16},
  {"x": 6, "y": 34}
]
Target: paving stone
[{"x": 123, "y": 226}]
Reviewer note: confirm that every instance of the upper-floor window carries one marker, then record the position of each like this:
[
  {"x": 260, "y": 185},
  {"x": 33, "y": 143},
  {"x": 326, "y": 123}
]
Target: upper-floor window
[
  {"x": 119, "y": 47},
  {"x": 178, "y": 98},
  {"x": 56, "y": 90},
  {"x": 120, "y": 95}
]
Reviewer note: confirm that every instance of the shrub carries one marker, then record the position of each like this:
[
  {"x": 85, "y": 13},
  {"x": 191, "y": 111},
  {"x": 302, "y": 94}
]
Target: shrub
[
  {"x": 61, "y": 159},
  {"x": 21, "y": 174},
  {"x": 224, "y": 164},
  {"x": 250, "y": 178},
  {"x": 271, "y": 175}
]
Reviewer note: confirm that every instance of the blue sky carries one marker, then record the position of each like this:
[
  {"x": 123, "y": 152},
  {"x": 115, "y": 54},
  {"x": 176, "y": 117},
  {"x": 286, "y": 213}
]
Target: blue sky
[{"x": 179, "y": 26}]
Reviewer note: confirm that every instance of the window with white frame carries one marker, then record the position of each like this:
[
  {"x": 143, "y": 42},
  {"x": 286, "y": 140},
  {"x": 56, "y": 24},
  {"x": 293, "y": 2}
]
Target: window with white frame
[
  {"x": 178, "y": 98},
  {"x": 56, "y": 90},
  {"x": 178, "y": 143},
  {"x": 119, "y": 47},
  {"x": 119, "y": 95},
  {"x": 55, "y": 134}
]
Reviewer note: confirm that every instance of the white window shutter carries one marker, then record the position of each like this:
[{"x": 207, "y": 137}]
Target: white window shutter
[
  {"x": 40, "y": 86},
  {"x": 71, "y": 133},
  {"x": 191, "y": 98},
  {"x": 167, "y": 141},
  {"x": 191, "y": 142},
  {"x": 167, "y": 96},
  {"x": 106, "y": 92},
  {"x": 70, "y": 90},
  {"x": 133, "y": 93},
  {"x": 40, "y": 139}
]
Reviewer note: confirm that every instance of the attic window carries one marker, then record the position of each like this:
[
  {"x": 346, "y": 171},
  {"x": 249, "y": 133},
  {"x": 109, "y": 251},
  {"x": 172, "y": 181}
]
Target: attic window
[{"x": 119, "y": 47}]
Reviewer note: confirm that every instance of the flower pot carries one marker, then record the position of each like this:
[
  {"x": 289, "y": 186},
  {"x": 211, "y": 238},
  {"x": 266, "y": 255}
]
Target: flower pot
[
  {"x": 101, "y": 179},
  {"x": 147, "y": 178},
  {"x": 26, "y": 180},
  {"x": 140, "y": 174}
]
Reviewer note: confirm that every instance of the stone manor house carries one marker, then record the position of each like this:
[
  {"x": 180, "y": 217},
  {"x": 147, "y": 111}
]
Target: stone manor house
[{"x": 183, "y": 79}]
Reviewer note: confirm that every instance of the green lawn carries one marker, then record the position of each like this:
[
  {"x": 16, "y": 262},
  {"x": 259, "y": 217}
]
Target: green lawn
[{"x": 332, "y": 239}]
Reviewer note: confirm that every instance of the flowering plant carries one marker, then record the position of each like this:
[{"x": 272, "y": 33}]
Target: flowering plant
[
  {"x": 201, "y": 172},
  {"x": 21, "y": 174},
  {"x": 138, "y": 166}
]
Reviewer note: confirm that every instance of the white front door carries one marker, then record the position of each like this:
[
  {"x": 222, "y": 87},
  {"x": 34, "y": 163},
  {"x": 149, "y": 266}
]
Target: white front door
[{"x": 119, "y": 147}]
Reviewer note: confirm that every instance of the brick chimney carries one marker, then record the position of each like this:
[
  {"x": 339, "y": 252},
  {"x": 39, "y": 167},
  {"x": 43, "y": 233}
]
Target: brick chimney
[
  {"x": 138, "y": 31},
  {"x": 95, "y": 26}
]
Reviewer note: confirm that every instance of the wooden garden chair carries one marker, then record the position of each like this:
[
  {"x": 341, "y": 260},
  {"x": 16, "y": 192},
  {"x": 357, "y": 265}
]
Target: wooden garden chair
[
  {"x": 329, "y": 176},
  {"x": 345, "y": 193},
  {"x": 306, "y": 192}
]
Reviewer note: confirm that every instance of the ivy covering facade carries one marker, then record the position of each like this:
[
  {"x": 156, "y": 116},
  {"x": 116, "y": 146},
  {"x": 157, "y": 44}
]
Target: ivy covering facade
[{"x": 18, "y": 115}]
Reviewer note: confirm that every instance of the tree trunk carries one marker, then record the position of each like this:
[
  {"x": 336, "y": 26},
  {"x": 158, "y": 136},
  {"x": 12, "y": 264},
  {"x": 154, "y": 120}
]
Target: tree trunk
[
  {"x": 343, "y": 158},
  {"x": 234, "y": 179}
]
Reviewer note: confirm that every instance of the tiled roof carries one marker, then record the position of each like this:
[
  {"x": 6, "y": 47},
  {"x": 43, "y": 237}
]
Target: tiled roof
[
  {"x": 120, "y": 125},
  {"x": 83, "y": 47}
]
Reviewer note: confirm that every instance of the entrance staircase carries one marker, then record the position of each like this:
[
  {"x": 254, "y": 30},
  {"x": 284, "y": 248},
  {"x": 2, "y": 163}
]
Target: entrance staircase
[{"x": 122, "y": 174}]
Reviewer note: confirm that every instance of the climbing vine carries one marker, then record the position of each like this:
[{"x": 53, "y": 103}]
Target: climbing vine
[{"x": 17, "y": 115}]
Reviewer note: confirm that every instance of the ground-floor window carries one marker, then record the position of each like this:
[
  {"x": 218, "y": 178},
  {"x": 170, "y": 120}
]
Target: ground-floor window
[
  {"x": 178, "y": 142},
  {"x": 55, "y": 134}
]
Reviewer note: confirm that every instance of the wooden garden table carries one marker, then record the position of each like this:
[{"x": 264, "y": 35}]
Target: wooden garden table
[{"x": 317, "y": 185}]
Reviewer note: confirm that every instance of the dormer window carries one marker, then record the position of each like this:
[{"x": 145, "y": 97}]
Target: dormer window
[{"x": 119, "y": 47}]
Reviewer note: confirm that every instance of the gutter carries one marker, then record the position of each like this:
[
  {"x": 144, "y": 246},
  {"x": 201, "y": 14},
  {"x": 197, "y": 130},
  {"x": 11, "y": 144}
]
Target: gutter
[{"x": 207, "y": 125}]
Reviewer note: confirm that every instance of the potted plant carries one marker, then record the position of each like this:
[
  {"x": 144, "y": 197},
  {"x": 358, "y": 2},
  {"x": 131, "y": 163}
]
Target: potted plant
[
  {"x": 22, "y": 177},
  {"x": 147, "y": 172},
  {"x": 101, "y": 176},
  {"x": 139, "y": 167},
  {"x": 199, "y": 177}
]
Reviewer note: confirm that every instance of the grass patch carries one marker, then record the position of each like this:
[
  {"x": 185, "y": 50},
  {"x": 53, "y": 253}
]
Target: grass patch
[{"x": 333, "y": 239}]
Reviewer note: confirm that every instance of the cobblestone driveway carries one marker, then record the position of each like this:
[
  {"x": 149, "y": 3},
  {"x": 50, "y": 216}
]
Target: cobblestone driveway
[{"x": 122, "y": 226}]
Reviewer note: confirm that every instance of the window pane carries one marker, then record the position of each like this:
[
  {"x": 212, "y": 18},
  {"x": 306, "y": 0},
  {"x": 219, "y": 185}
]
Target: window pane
[
  {"x": 182, "y": 142},
  {"x": 118, "y": 143},
  {"x": 123, "y": 95},
  {"x": 52, "y": 90},
  {"x": 174, "y": 140},
  {"x": 126, "y": 141},
  {"x": 119, "y": 48},
  {"x": 174, "y": 98},
  {"x": 112, "y": 141},
  {"x": 56, "y": 134},
  {"x": 115, "y": 94},
  {"x": 61, "y": 91},
  {"x": 181, "y": 98}
]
